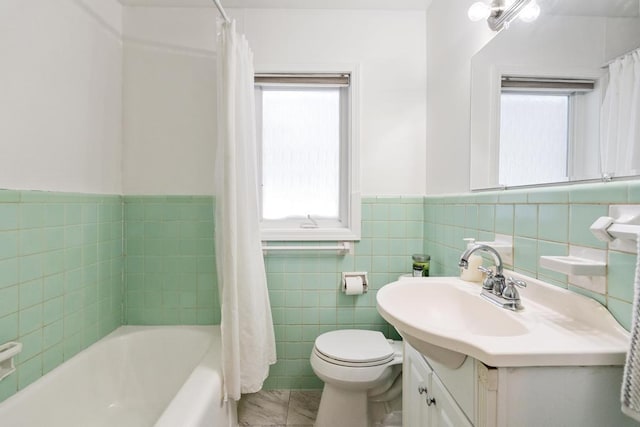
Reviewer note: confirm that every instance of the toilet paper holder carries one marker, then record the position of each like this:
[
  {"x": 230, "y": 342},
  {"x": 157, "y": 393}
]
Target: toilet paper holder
[{"x": 355, "y": 274}]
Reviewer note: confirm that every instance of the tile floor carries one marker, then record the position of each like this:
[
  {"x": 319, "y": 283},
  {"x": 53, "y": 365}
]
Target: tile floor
[{"x": 279, "y": 408}]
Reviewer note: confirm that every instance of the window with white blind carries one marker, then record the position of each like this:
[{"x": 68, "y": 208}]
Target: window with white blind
[
  {"x": 307, "y": 164},
  {"x": 539, "y": 122}
]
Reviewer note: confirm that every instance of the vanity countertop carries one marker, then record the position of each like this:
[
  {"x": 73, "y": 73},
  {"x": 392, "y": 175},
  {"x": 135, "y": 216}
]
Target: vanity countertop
[{"x": 446, "y": 319}]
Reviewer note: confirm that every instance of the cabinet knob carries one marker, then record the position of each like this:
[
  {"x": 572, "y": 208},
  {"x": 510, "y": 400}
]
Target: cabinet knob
[
  {"x": 422, "y": 389},
  {"x": 431, "y": 401}
]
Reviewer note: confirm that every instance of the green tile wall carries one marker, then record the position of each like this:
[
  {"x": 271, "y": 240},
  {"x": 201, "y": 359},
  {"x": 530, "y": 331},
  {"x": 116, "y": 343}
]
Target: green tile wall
[
  {"x": 65, "y": 277},
  {"x": 170, "y": 260},
  {"x": 304, "y": 287},
  {"x": 543, "y": 221},
  {"x": 61, "y": 266}
]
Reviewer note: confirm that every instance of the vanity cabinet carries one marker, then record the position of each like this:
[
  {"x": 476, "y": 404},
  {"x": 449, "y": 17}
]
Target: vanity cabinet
[
  {"x": 478, "y": 395},
  {"x": 426, "y": 400}
]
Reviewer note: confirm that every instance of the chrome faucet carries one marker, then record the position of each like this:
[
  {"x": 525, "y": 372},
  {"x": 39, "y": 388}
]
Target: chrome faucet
[{"x": 495, "y": 287}]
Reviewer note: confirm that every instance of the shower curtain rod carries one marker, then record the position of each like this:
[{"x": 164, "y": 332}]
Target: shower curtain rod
[
  {"x": 619, "y": 57},
  {"x": 221, "y": 10}
]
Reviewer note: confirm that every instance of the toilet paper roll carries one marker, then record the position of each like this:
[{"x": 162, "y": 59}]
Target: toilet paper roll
[{"x": 353, "y": 285}]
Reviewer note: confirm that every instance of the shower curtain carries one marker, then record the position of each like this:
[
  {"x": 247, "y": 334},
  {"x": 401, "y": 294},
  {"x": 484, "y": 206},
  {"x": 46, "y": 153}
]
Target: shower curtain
[
  {"x": 248, "y": 342},
  {"x": 620, "y": 118}
]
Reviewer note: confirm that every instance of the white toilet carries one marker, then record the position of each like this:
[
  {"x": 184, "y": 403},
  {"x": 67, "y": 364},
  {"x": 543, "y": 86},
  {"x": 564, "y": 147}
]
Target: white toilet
[{"x": 357, "y": 367}]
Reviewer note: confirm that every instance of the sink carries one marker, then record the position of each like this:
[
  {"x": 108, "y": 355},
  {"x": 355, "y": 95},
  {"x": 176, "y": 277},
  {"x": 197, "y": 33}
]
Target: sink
[
  {"x": 446, "y": 319},
  {"x": 456, "y": 309}
]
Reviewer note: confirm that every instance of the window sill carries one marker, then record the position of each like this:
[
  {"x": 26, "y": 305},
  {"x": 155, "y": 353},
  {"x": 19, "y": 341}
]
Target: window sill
[{"x": 309, "y": 235}]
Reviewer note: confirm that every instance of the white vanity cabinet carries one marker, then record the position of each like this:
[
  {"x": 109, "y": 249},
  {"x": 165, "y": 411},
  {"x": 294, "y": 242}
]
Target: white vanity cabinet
[
  {"x": 426, "y": 400},
  {"x": 477, "y": 395}
]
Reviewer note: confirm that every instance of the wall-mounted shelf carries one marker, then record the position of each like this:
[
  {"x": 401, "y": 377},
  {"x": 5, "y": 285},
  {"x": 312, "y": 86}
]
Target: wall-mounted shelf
[
  {"x": 573, "y": 265},
  {"x": 585, "y": 267}
]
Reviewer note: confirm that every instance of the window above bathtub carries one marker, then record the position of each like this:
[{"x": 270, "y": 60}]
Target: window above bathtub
[{"x": 307, "y": 135}]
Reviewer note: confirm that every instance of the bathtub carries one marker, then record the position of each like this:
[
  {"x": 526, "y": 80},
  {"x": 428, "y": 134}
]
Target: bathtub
[{"x": 162, "y": 376}]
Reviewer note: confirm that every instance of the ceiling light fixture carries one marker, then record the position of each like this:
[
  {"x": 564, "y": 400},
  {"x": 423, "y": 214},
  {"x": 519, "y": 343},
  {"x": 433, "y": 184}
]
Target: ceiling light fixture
[{"x": 499, "y": 13}]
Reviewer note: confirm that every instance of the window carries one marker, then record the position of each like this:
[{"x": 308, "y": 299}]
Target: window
[
  {"x": 529, "y": 152},
  {"x": 538, "y": 122},
  {"x": 307, "y": 168}
]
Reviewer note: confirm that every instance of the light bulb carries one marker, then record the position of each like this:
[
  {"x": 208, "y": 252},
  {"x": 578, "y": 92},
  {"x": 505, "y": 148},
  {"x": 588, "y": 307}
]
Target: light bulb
[
  {"x": 530, "y": 12},
  {"x": 479, "y": 10}
]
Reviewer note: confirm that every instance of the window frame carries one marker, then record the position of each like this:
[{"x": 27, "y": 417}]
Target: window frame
[
  {"x": 577, "y": 117},
  {"x": 348, "y": 227}
]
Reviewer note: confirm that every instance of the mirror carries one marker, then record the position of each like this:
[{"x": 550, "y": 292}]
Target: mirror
[{"x": 541, "y": 84}]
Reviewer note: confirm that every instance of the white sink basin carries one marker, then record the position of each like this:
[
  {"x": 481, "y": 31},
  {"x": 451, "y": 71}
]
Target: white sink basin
[
  {"x": 456, "y": 309},
  {"x": 446, "y": 319}
]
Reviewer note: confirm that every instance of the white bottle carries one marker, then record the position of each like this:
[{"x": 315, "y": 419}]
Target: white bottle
[{"x": 471, "y": 273}]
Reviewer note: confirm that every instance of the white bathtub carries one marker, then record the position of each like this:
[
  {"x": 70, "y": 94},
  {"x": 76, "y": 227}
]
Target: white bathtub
[{"x": 162, "y": 376}]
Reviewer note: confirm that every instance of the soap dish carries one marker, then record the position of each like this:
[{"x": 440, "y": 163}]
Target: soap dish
[{"x": 573, "y": 265}]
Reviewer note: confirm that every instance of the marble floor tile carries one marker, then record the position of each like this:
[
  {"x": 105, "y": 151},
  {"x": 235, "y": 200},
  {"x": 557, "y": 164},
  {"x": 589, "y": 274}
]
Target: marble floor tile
[
  {"x": 303, "y": 407},
  {"x": 265, "y": 408}
]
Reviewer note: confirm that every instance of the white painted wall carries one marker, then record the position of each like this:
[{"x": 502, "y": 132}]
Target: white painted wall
[
  {"x": 61, "y": 95},
  {"x": 452, "y": 40},
  {"x": 390, "y": 48},
  {"x": 169, "y": 100},
  {"x": 169, "y": 80}
]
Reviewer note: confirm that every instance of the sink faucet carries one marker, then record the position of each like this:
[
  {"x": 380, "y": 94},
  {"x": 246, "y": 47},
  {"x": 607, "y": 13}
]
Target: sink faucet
[{"x": 495, "y": 287}]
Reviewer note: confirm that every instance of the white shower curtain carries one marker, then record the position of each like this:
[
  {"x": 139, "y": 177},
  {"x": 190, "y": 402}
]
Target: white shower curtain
[
  {"x": 620, "y": 118},
  {"x": 248, "y": 342}
]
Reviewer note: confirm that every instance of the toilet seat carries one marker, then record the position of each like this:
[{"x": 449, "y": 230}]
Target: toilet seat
[{"x": 354, "y": 348}]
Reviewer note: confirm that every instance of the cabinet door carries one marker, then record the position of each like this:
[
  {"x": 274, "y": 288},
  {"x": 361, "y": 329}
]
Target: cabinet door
[
  {"x": 445, "y": 412},
  {"x": 416, "y": 381}
]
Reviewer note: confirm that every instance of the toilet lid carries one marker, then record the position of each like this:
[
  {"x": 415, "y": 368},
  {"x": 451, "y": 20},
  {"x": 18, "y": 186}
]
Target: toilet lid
[{"x": 354, "y": 346}]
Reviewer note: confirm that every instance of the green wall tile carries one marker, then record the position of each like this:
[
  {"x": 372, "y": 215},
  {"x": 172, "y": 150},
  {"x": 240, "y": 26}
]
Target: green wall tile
[
  {"x": 634, "y": 191},
  {"x": 8, "y": 216},
  {"x": 31, "y": 216},
  {"x": 504, "y": 219},
  {"x": 513, "y": 196},
  {"x": 9, "y": 196},
  {"x": 580, "y": 219},
  {"x": 610, "y": 192},
  {"x": 8, "y": 272},
  {"x": 621, "y": 310},
  {"x": 30, "y": 319},
  {"x": 548, "y": 195},
  {"x": 486, "y": 217},
  {"x": 525, "y": 254},
  {"x": 170, "y": 260},
  {"x": 526, "y": 220},
  {"x": 621, "y": 275},
  {"x": 8, "y": 244},
  {"x": 29, "y": 371},
  {"x": 553, "y": 222}
]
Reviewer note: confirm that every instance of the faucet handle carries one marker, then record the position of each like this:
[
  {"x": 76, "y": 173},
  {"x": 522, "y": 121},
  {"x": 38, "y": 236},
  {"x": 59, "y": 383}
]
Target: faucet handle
[
  {"x": 510, "y": 292},
  {"x": 519, "y": 283},
  {"x": 487, "y": 271},
  {"x": 488, "y": 281}
]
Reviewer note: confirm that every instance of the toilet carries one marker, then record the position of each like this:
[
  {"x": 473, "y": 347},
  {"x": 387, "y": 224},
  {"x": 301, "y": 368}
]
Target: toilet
[{"x": 358, "y": 367}]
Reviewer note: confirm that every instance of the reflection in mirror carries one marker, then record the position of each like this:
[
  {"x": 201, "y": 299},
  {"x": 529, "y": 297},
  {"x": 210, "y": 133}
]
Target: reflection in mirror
[
  {"x": 540, "y": 136},
  {"x": 538, "y": 89}
]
